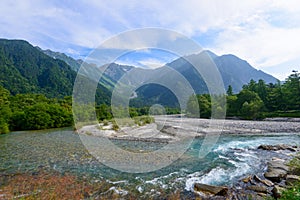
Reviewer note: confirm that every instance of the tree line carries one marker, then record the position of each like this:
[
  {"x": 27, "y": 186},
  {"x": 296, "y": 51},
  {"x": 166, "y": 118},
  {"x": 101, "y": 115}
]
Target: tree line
[
  {"x": 36, "y": 111},
  {"x": 256, "y": 100}
]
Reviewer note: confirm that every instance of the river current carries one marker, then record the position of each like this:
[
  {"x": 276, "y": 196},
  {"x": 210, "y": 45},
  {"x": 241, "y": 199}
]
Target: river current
[{"x": 232, "y": 157}]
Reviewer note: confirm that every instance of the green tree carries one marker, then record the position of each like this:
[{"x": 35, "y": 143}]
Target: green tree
[
  {"x": 199, "y": 106},
  {"x": 103, "y": 112},
  {"x": 274, "y": 99},
  {"x": 249, "y": 105},
  {"x": 291, "y": 91},
  {"x": 192, "y": 108},
  {"x": 261, "y": 90},
  {"x": 231, "y": 109},
  {"x": 229, "y": 91},
  {"x": 5, "y": 111},
  {"x": 252, "y": 110}
]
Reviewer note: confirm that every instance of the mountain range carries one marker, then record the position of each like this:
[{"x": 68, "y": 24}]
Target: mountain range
[{"x": 28, "y": 69}]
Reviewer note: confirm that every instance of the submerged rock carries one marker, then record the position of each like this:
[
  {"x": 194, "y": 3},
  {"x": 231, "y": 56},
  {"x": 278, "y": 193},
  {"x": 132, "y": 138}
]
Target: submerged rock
[{"x": 277, "y": 147}]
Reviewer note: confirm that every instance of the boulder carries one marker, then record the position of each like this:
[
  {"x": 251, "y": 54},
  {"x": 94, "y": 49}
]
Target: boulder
[
  {"x": 278, "y": 165},
  {"x": 211, "y": 190},
  {"x": 267, "y": 182},
  {"x": 264, "y": 181},
  {"x": 291, "y": 179},
  {"x": 257, "y": 188},
  {"x": 275, "y": 175}
]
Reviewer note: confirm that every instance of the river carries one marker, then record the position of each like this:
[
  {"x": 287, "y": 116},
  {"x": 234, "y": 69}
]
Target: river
[{"x": 232, "y": 157}]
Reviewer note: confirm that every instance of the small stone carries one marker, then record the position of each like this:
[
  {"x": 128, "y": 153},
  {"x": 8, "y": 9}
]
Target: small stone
[
  {"x": 247, "y": 179},
  {"x": 262, "y": 194}
]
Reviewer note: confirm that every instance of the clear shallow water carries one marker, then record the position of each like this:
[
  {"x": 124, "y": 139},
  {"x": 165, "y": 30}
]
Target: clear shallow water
[{"x": 232, "y": 158}]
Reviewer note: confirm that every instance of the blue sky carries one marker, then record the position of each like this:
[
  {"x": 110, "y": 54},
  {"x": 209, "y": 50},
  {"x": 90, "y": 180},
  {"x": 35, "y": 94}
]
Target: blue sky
[{"x": 265, "y": 33}]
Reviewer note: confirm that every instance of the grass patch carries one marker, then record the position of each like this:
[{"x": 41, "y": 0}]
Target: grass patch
[
  {"x": 121, "y": 122},
  {"x": 293, "y": 192}
]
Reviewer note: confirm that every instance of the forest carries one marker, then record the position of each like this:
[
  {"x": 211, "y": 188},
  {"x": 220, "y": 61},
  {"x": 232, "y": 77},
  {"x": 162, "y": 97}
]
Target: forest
[{"x": 256, "y": 101}]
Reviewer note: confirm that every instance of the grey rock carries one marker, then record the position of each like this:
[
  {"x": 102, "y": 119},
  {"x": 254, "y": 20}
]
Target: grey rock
[
  {"x": 257, "y": 188},
  {"x": 278, "y": 165},
  {"x": 275, "y": 175},
  {"x": 210, "y": 189},
  {"x": 264, "y": 181}
]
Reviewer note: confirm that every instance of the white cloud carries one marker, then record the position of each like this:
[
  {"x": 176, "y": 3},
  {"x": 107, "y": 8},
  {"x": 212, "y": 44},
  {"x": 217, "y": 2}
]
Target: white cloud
[
  {"x": 263, "y": 32},
  {"x": 152, "y": 63}
]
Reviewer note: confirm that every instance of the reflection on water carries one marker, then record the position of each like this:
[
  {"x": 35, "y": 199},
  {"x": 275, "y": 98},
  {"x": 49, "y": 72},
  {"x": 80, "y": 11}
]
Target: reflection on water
[{"x": 232, "y": 157}]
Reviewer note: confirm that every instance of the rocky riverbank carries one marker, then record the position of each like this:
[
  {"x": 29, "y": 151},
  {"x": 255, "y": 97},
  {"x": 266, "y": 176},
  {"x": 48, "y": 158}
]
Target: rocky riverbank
[
  {"x": 168, "y": 128},
  {"x": 271, "y": 183}
]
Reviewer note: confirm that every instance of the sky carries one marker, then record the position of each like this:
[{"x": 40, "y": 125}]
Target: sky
[{"x": 266, "y": 33}]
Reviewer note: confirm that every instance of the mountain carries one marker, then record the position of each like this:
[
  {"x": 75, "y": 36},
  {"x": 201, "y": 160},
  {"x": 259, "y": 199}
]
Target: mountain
[
  {"x": 115, "y": 71},
  {"x": 25, "y": 69},
  {"x": 233, "y": 70},
  {"x": 74, "y": 64},
  {"x": 105, "y": 80},
  {"x": 28, "y": 69},
  {"x": 237, "y": 72}
]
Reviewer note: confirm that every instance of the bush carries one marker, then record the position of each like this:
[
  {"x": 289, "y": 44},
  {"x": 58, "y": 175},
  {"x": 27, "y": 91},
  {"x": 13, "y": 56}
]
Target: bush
[
  {"x": 105, "y": 123},
  {"x": 4, "y": 128},
  {"x": 115, "y": 126}
]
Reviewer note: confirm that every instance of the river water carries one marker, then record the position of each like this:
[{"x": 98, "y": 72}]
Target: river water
[{"x": 232, "y": 157}]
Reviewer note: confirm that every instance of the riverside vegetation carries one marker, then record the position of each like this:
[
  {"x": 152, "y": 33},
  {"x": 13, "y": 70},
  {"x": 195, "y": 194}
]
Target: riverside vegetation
[{"x": 256, "y": 100}]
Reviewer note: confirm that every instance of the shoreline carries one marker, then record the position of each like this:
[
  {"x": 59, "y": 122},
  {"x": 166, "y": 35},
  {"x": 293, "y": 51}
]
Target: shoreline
[
  {"x": 173, "y": 128},
  {"x": 277, "y": 177}
]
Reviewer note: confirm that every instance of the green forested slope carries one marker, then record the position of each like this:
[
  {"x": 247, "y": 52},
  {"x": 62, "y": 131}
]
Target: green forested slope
[{"x": 25, "y": 69}]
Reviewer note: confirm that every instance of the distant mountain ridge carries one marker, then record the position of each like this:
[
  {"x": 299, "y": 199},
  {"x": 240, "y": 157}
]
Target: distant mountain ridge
[
  {"x": 106, "y": 81},
  {"x": 233, "y": 70},
  {"x": 28, "y": 69},
  {"x": 237, "y": 72},
  {"x": 74, "y": 64}
]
